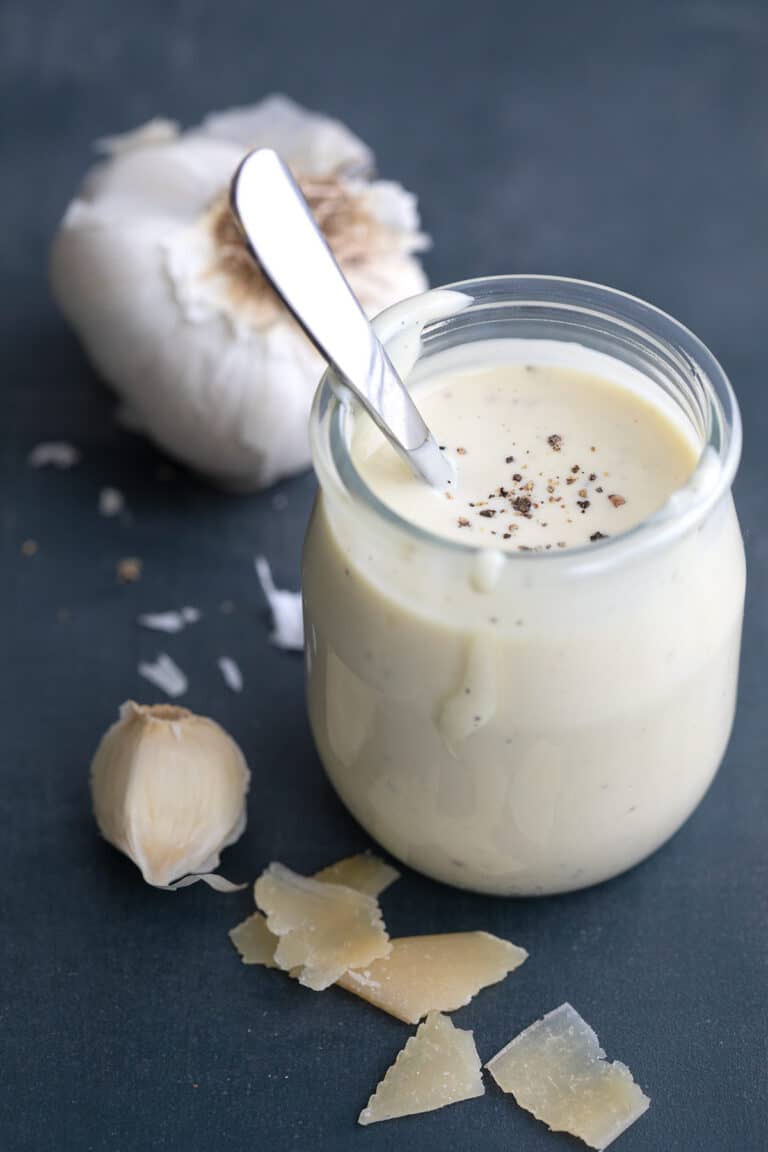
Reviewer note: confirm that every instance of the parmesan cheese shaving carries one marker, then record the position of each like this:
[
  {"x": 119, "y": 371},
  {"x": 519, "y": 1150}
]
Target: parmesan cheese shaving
[
  {"x": 557, "y": 1070},
  {"x": 324, "y": 929},
  {"x": 425, "y": 974},
  {"x": 254, "y": 941},
  {"x": 437, "y": 1066},
  {"x": 364, "y": 872}
]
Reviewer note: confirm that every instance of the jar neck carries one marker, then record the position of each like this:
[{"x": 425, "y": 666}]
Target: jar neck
[{"x": 573, "y": 319}]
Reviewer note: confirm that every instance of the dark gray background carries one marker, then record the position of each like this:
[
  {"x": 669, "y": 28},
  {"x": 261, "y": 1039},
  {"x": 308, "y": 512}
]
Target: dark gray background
[{"x": 621, "y": 143}]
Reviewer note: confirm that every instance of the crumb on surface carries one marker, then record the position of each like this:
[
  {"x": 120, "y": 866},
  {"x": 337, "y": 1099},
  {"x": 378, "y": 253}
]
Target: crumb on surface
[{"x": 129, "y": 569}]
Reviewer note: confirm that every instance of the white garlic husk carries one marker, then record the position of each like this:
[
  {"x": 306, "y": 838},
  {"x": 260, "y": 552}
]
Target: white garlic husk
[
  {"x": 169, "y": 790},
  {"x": 150, "y": 271}
]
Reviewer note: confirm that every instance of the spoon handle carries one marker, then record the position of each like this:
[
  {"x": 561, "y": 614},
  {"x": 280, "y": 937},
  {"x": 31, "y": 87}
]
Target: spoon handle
[{"x": 283, "y": 236}]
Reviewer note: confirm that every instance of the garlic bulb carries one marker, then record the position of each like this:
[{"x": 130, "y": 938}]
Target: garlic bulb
[
  {"x": 150, "y": 270},
  {"x": 169, "y": 791}
]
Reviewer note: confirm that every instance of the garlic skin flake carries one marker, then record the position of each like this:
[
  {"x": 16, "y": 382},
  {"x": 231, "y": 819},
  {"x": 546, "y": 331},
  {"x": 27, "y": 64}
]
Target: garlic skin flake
[
  {"x": 54, "y": 454},
  {"x": 111, "y": 502},
  {"x": 169, "y": 791},
  {"x": 286, "y": 608},
  {"x": 165, "y": 674},
  {"x": 150, "y": 270}
]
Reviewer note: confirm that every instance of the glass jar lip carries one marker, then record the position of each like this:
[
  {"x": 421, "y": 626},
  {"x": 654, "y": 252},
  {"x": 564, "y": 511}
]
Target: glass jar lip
[{"x": 724, "y": 435}]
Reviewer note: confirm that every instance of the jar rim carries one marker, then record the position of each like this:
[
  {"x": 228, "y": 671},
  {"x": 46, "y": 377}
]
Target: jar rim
[{"x": 685, "y": 507}]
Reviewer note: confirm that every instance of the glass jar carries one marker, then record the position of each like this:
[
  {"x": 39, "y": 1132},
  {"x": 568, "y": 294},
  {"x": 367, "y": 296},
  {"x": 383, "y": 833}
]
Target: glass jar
[{"x": 526, "y": 723}]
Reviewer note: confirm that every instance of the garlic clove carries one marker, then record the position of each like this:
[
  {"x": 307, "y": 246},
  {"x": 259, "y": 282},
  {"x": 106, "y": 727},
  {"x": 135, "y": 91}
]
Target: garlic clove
[{"x": 169, "y": 791}]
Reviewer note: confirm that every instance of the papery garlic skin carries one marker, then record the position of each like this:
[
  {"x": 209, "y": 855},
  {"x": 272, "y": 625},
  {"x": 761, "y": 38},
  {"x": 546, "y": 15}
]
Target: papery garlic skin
[
  {"x": 169, "y": 790},
  {"x": 217, "y": 374}
]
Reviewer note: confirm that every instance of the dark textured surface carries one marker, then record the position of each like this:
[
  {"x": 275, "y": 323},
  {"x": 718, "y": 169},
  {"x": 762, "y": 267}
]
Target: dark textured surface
[{"x": 625, "y": 145}]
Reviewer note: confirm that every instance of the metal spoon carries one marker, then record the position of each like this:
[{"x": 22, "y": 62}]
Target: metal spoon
[{"x": 284, "y": 238}]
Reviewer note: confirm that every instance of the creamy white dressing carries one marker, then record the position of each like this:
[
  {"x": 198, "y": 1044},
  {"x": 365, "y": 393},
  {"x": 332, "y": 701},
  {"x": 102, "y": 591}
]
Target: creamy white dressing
[
  {"x": 544, "y": 457},
  {"x": 525, "y": 725}
]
